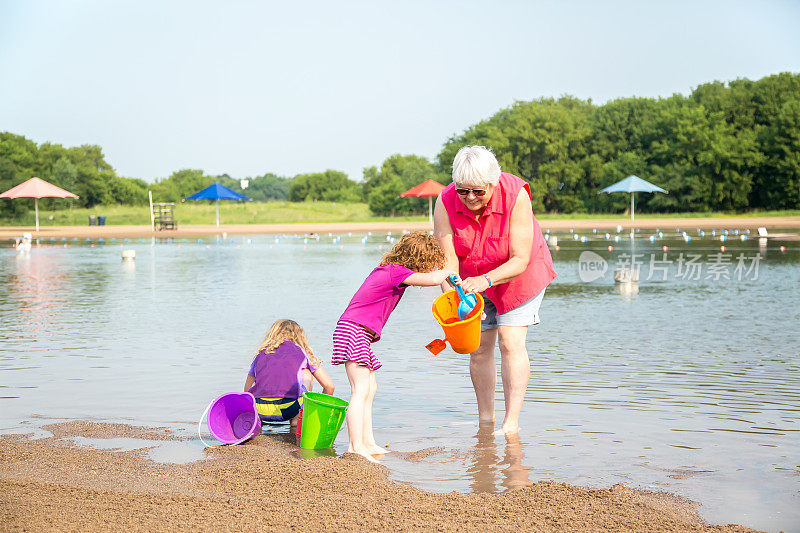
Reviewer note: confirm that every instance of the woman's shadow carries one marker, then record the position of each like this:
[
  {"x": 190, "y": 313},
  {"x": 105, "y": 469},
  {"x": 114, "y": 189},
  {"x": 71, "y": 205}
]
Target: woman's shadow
[{"x": 488, "y": 471}]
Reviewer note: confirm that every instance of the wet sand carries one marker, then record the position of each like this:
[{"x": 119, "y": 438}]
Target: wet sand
[
  {"x": 93, "y": 232},
  {"x": 51, "y": 484}
]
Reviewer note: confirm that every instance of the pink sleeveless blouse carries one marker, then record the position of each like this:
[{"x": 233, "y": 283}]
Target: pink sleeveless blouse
[{"x": 482, "y": 244}]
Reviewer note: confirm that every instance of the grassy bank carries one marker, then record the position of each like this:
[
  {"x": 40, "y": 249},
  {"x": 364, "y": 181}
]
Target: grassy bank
[{"x": 199, "y": 213}]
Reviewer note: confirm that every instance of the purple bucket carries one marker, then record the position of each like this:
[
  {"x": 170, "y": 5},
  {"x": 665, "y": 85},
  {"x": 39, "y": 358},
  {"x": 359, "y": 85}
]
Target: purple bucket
[{"x": 232, "y": 418}]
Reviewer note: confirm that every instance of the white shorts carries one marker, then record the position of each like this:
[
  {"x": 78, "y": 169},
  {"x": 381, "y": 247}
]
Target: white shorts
[{"x": 526, "y": 314}]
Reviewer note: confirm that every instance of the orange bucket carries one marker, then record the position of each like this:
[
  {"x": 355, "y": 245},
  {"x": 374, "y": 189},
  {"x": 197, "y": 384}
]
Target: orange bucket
[{"x": 464, "y": 336}]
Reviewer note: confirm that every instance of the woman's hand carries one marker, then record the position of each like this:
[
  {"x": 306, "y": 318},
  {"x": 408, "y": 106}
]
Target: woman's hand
[{"x": 475, "y": 284}]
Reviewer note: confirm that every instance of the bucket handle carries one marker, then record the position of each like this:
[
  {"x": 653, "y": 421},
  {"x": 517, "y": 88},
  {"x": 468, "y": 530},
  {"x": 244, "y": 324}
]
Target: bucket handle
[
  {"x": 205, "y": 413},
  {"x": 200, "y": 426}
]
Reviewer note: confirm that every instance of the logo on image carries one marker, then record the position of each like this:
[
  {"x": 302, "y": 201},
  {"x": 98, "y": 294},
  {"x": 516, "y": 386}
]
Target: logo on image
[{"x": 591, "y": 266}]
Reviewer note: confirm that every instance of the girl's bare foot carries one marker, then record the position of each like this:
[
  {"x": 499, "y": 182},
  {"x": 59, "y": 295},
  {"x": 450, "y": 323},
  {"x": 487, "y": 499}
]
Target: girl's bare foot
[
  {"x": 377, "y": 450},
  {"x": 363, "y": 453}
]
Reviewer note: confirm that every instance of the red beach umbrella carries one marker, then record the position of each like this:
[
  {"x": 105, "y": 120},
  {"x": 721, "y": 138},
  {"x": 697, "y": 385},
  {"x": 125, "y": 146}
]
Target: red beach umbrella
[
  {"x": 429, "y": 189},
  {"x": 37, "y": 188}
]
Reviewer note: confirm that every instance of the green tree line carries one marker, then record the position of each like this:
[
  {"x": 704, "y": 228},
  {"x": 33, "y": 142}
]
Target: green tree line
[{"x": 725, "y": 147}]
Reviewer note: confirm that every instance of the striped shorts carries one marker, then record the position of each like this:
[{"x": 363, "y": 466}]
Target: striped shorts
[{"x": 351, "y": 342}]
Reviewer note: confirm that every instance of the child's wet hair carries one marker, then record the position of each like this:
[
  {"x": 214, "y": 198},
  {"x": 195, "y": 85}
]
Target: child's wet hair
[
  {"x": 283, "y": 330},
  {"x": 418, "y": 251}
]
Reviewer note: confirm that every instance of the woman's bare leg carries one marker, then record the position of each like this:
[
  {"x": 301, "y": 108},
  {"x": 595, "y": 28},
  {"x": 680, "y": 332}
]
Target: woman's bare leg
[
  {"x": 359, "y": 393},
  {"x": 515, "y": 367},
  {"x": 483, "y": 372}
]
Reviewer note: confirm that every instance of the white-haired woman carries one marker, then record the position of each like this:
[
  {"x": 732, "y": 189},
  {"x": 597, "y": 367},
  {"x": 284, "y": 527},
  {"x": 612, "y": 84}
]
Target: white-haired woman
[{"x": 485, "y": 224}]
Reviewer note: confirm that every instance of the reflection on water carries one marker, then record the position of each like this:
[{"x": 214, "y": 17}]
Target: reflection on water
[
  {"x": 489, "y": 471},
  {"x": 676, "y": 384}
]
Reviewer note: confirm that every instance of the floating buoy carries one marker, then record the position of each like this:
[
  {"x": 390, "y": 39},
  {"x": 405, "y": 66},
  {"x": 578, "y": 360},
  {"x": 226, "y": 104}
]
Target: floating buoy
[
  {"x": 610, "y": 248},
  {"x": 782, "y": 248},
  {"x": 743, "y": 237},
  {"x": 652, "y": 238},
  {"x": 619, "y": 228},
  {"x": 617, "y": 238},
  {"x": 575, "y": 237},
  {"x": 594, "y": 230},
  {"x": 571, "y": 230},
  {"x": 664, "y": 248},
  {"x": 722, "y": 248},
  {"x": 723, "y": 238},
  {"x": 607, "y": 236},
  {"x": 558, "y": 248},
  {"x": 552, "y": 240},
  {"x": 584, "y": 239}
]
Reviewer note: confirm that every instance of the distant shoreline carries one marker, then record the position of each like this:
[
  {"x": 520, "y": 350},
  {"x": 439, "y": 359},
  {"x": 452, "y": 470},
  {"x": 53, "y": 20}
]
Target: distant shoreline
[{"x": 742, "y": 223}]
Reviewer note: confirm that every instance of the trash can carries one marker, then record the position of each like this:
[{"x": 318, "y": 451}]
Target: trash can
[
  {"x": 101, "y": 220},
  {"x": 92, "y": 220}
]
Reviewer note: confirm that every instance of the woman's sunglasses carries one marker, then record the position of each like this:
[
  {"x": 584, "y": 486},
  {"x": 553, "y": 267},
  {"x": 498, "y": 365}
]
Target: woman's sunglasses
[{"x": 477, "y": 192}]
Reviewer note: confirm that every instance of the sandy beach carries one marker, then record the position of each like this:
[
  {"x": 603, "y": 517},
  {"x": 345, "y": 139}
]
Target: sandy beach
[
  {"x": 50, "y": 484},
  {"x": 606, "y": 224}
]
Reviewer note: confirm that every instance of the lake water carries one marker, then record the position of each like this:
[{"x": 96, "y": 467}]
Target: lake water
[{"x": 684, "y": 385}]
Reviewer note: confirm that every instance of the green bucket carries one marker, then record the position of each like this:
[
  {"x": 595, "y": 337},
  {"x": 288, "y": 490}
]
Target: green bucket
[{"x": 322, "y": 419}]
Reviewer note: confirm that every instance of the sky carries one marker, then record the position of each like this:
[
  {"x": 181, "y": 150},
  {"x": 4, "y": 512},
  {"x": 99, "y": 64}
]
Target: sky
[{"x": 250, "y": 87}]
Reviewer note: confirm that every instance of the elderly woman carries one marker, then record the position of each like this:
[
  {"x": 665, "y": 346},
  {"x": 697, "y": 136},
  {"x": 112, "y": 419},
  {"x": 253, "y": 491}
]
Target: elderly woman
[{"x": 485, "y": 224}]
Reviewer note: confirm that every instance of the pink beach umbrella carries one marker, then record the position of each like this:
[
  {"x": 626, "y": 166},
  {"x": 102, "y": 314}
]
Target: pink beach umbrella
[
  {"x": 37, "y": 188},
  {"x": 429, "y": 189}
]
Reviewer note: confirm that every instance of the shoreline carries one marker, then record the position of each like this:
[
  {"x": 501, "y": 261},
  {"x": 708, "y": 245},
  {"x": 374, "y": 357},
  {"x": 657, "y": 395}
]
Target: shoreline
[
  {"x": 264, "y": 482},
  {"x": 58, "y": 232}
]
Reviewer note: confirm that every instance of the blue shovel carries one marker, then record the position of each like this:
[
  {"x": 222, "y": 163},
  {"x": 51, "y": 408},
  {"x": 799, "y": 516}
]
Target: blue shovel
[{"x": 468, "y": 301}]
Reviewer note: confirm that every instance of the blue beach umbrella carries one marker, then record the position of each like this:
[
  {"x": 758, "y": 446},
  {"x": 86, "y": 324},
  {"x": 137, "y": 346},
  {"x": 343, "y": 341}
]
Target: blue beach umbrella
[
  {"x": 633, "y": 184},
  {"x": 217, "y": 192}
]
